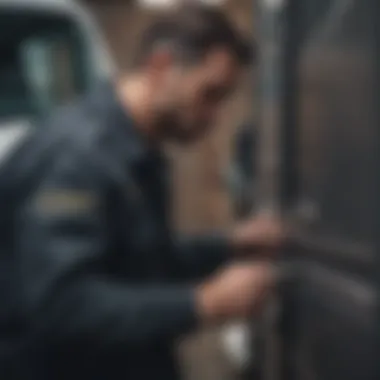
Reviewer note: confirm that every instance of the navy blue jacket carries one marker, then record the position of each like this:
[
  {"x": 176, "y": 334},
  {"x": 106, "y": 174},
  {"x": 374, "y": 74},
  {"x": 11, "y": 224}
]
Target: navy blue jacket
[{"x": 94, "y": 283}]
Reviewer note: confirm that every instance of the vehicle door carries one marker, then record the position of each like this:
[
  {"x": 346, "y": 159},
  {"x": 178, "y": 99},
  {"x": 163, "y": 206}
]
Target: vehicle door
[{"x": 328, "y": 186}]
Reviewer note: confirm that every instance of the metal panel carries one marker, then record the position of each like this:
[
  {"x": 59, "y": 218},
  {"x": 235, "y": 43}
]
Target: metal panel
[
  {"x": 330, "y": 180},
  {"x": 336, "y": 326},
  {"x": 336, "y": 117},
  {"x": 329, "y": 319}
]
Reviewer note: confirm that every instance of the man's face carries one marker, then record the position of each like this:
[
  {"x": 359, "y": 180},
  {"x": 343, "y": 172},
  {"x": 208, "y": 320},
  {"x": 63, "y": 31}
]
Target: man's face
[{"x": 190, "y": 98}]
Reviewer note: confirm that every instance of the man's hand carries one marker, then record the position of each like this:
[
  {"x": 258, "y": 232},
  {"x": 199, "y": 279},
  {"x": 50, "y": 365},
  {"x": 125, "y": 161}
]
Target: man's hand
[
  {"x": 262, "y": 233},
  {"x": 236, "y": 292}
]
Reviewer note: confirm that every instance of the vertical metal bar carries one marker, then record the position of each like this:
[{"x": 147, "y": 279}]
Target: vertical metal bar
[
  {"x": 288, "y": 177},
  {"x": 271, "y": 44},
  {"x": 288, "y": 128},
  {"x": 270, "y": 96},
  {"x": 375, "y": 12}
]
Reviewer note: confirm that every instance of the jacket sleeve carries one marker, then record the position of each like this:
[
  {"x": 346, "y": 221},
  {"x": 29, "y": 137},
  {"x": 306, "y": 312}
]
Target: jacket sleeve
[
  {"x": 62, "y": 237},
  {"x": 199, "y": 256}
]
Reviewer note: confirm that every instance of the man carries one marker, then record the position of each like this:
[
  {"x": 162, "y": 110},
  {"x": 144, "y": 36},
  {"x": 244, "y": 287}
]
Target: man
[{"x": 100, "y": 288}]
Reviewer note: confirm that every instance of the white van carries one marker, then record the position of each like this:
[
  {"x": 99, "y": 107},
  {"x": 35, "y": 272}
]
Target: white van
[{"x": 50, "y": 52}]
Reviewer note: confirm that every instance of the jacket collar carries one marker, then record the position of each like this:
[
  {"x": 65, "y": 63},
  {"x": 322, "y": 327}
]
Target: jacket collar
[{"x": 129, "y": 141}]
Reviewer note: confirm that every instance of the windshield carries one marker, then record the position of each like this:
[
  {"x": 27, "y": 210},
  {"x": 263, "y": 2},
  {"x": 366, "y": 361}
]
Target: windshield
[{"x": 41, "y": 62}]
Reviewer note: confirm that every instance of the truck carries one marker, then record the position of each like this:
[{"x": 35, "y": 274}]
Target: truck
[{"x": 51, "y": 52}]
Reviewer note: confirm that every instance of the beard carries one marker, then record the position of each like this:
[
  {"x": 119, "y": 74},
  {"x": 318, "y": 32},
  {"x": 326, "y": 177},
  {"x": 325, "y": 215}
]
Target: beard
[
  {"x": 185, "y": 135},
  {"x": 176, "y": 126}
]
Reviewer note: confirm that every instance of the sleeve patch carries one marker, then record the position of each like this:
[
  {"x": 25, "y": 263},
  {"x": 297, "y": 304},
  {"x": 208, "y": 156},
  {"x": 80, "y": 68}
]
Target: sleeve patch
[{"x": 63, "y": 202}]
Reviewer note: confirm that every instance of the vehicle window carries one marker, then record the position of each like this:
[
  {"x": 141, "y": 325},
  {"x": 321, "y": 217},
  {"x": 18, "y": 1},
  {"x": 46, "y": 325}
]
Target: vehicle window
[{"x": 42, "y": 62}]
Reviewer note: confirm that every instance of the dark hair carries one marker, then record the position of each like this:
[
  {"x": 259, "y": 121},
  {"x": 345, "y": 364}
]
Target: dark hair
[{"x": 191, "y": 31}]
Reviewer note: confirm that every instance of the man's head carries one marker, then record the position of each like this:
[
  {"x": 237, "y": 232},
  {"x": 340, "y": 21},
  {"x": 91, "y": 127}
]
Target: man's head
[{"x": 190, "y": 62}]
